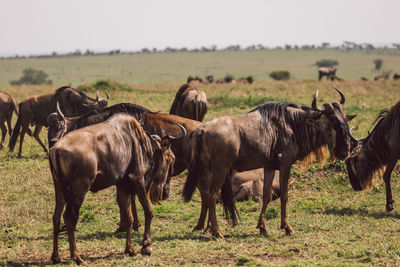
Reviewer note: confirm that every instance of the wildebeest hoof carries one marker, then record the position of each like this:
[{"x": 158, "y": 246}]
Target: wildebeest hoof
[
  {"x": 198, "y": 228},
  {"x": 289, "y": 231},
  {"x": 1, "y": 146},
  {"x": 218, "y": 234},
  {"x": 389, "y": 206},
  {"x": 146, "y": 250},
  {"x": 130, "y": 251},
  {"x": 121, "y": 229},
  {"x": 135, "y": 227},
  {"x": 55, "y": 259},
  {"x": 78, "y": 260},
  {"x": 263, "y": 232}
]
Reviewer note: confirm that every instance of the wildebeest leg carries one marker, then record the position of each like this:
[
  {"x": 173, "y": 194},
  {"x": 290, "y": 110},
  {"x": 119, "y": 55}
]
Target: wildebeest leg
[
  {"x": 386, "y": 178},
  {"x": 284, "y": 183},
  {"x": 203, "y": 214},
  {"x": 9, "y": 124},
  {"x": 212, "y": 201},
  {"x": 3, "y": 133},
  {"x": 70, "y": 222},
  {"x": 136, "y": 223},
  {"x": 25, "y": 127},
  {"x": 60, "y": 203},
  {"x": 148, "y": 214},
  {"x": 38, "y": 128},
  {"x": 267, "y": 193},
  {"x": 124, "y": 203}
]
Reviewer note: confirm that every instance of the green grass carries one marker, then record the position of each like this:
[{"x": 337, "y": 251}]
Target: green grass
[
  {"x": 175, "y": 67},
  {"x": 333, "y": 224}
]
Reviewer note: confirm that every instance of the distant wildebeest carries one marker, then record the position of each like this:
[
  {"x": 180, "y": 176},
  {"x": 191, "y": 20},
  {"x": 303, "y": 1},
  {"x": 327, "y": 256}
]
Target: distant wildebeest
[
  {"x": 194, "y": 80},
  {"x": 210, "y": 79},
  {"x": 227, "y": 79},
  {"x": 383, "y": 77},
  {"x": 380, "y": 149},
  {"x": 329, "y": 72},
  {"x": 249, "y": 184},
  {"x": 117, "y": 152},
  {"x": 35, "y": 110},
  {"x": 364, "y": 79},
  {"x": 396, "y": 76},
  {"x": 7, "y": 106},
  {"x": 189, "y": 103},
  {"x": 248, "y": 79},
  {"x": 272, "y": 136}
]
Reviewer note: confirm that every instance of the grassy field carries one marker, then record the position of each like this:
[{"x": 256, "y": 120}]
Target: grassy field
[
  {"x": 175, "y": 67},
  {"x": 333, "y": 225}
]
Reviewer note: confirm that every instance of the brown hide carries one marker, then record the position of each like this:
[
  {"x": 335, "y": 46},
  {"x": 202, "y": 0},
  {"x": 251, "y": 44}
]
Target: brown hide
[
  {"x": 189, "y": 103},
  {"x": 7, "y": 106},
  {"x": 249, "y": 184},
  {"x": 329, "y": 72}
]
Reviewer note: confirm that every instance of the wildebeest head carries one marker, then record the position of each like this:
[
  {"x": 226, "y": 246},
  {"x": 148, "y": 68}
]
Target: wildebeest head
[
  {"x": 360, "y": 178},
  {"x": 338, "y": 133},
  {"x": 99, "y": 102},
  {"x": 164, "y": 163},
  {"x": 57, "y": 125}
]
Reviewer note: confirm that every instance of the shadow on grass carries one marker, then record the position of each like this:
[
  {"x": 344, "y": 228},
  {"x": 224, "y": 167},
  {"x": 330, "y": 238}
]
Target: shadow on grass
[{"x": 359, "y": 211}]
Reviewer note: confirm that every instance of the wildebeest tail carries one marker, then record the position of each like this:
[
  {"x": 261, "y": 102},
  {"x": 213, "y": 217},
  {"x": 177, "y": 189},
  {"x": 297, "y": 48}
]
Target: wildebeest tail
[
  {"x": 73, "y": 204},
  {"x": 228, "y": 200},
  {"x": 191, "y": 181},
  {"x": 15, "y": 133},
  {"x": 14, "y": 106}
]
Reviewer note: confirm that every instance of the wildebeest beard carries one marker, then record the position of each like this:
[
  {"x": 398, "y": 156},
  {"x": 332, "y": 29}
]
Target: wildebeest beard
[{"x": 371, "y": 156}]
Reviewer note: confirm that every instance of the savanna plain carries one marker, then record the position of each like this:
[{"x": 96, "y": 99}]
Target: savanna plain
[{"x": 333, "y": 225}]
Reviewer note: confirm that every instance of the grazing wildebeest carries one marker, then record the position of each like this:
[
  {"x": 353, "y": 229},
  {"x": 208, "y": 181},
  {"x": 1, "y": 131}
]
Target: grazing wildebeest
[
  {"x": 272, "y": 136},
  {"x": 364, "y": 79},
  {"x": 380, "y": 149},
  {"x": 228, "y": 79},
  {"x": 210, "y": 79},
  {"x": 35, "y": 110},
  {"x": 194, "y": 80},
  {"x": 189, "y": 103},
  {"x": 329, "y": 72},
  {"x": 116, "y": 152},
  {"x": 249, "y": 184},
  {"x": 396, "y": 76},
  {"x": 7, "y": 106}
]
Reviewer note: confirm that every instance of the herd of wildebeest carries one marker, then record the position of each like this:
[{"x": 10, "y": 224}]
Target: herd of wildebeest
[{"x": 93, "y": 146}]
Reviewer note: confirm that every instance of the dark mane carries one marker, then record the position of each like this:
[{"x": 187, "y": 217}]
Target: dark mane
[
  {"x": 178, "y": 99},
  {"x": 278, "y": 113},
  {"x": 60, "y": 90},
  {"x": 96, "y": 117}
]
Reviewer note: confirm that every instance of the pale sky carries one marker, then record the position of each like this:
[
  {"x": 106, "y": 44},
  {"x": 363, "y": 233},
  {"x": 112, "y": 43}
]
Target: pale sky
[{"x": 44, "y": 26}]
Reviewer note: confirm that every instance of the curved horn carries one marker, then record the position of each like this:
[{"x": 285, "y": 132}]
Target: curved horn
[
  {"x": 59, "y": 111},
  {"x": 314, "y": 102},
  {"x": 184, "y": 133},
  {"x": 351, "y": 135},
  {"x": 97, "y": 95},
  {"x": 342, "y": 97},
  {"x": 108, "y": 97}
]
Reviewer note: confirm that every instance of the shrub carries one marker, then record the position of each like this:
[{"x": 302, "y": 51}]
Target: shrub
[
  {"x": 280, "y": 75},
  {"x": 105, "y": 85},
  {"x": 32, "y": 76},
  {"x": 327, "y": 63}
]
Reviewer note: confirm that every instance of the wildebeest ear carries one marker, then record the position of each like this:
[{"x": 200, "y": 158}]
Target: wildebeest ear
[{"x": 350, "y": 117}]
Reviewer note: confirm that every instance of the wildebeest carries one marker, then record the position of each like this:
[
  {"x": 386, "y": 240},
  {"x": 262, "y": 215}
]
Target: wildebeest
[
  {"x": 210, "y": 79},
  {"x": 249, "y": 184},
  {"x": 227, "y": 79},
  {"x": 35, "y": 110},
  {"x": 396, "y": 76},
  {"x": 7, "y": 106},
  {"x": 329, "y": 72},
  {"x": 272, "y": 136},
  {"x": 364, "y": 79},
  {"x": 380, "y": 149},
  {"x": 116, "y": 152},
  {"x": 248, "y": 79},
  {"x": 154, "y": 123},
  {"x": 189, "y": 103},
  {"x": 194, "y": 80},
  {"x": 383, "y": 77}
]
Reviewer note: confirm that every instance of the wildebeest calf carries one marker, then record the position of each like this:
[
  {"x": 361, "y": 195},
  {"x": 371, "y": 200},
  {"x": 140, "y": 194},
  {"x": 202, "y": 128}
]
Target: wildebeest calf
[{"x": 116, "y": 152}]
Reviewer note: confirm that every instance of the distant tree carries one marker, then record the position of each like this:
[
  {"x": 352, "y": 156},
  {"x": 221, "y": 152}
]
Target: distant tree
[
  {"x": 145, "y": 50},
  {"x": 378, "y": 63},
  {"x": 280, "y": 75},
  {"x": 325, "y": 45},
  {"x": 396, "y": 45},
  {"x": 32, "y": 77},
  {"x": 326, "y": 63},
  {"x": 288, "y": 47}
]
